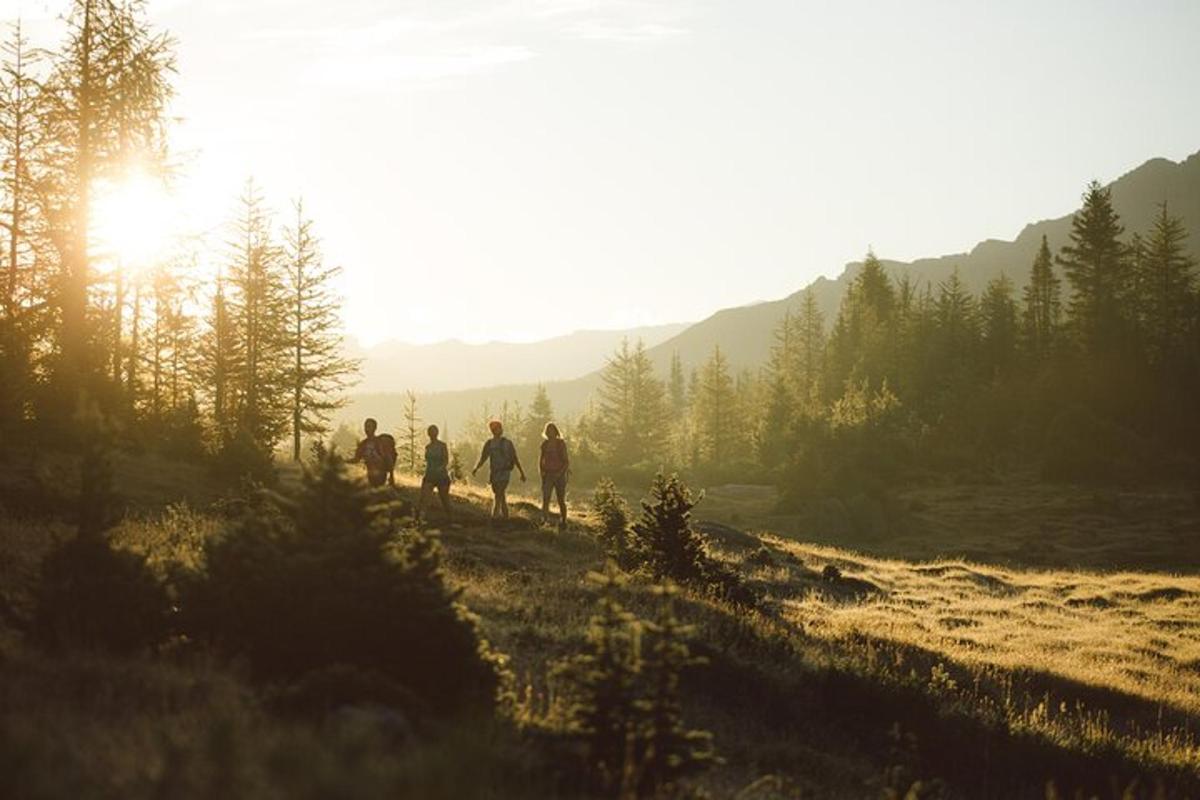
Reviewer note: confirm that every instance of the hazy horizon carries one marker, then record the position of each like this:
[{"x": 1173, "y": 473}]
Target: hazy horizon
[{"x": 473, "y": 165}]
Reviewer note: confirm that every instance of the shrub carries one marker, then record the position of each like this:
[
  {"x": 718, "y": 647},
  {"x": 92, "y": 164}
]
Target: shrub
[
  {"x": 95, "y": 597},
  {"x": 322, "y": 579},
  {"x": 665, "y": 544},
  {"x": 601, "y": 684},
  {"x": 613, "y": 513},
  {"x": 663, "y": 535},
  {"x": 91, "y": 595},
  {"x": 240, "y": 459},
  {"x": 624, "y": 702}
]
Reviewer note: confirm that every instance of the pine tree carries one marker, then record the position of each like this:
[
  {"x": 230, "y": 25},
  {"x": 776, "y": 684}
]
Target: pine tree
[
  {"x": 663, "y": 537},
  {"x": 218, "y": 363},
  {"x": 602, "y": 685},
  {"x": 21, "y": 136},
  {"x": 22, "y": 142},
  {"x": 1097, "y": 269},
  {"x": 862, "y": 343},
  {"x": 958, "y": 323},
  {"x": 998, "y": 318},
  {"x": 778, "y": 399},
  {"x": 410, "y": 448},
  {"x": 259, "y": 312},
  {"x": 669, "y": 749},
  {"x": 317, "y": 369},
  {"x": 715, "y": 407},
  {"x": 677, "y": 386},
  {"x": 808, "y": 349},
  {"x": 1166, "y": 281},
  {"x": 631, "y": 418},
  {"x": 1043, "y": 306},
  {"x": 541, "y": 411},
  {"x": 613, "y": 514},
  {"x": 110, "y": 83}
]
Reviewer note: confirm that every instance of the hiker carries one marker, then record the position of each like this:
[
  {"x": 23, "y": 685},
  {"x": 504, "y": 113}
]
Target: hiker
[
  {"x": 553, "y": 466},
  {"x": 437, "y": 473},
  {"x": 378, "y": 453},
  {"x": 501, "y": 455}
]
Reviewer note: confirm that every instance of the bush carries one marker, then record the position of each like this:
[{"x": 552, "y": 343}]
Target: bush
[
  {"x": 240, "y": 459},
  {"x": 623, "y": 701},
  {"x": 665, "y": 544},
  {"x": 323, "y": 579},
  {"x": 613, "y": 513},
  {"x": 663, "y": 536},
  {"x": 95, "y": 597}
]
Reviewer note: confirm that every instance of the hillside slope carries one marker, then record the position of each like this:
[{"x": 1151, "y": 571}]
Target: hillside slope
[
  {"x": 744, "y": 334},
  {"x": 1000, "y": 679},
  {"x": 451, "y": 366}
]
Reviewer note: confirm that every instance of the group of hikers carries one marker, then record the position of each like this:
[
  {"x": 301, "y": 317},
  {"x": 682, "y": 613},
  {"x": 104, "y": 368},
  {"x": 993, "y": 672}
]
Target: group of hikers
[{"x": 377, "y": 452}]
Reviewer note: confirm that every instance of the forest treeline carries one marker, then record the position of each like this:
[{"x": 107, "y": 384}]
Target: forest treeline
[
  {"x": 1090, "y": 372},
  {"x": 225, "y": 350}
]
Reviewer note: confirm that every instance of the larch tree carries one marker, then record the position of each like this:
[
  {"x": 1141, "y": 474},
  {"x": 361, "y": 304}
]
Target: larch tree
[
  {"x": 21, "y": 138},
  {"x": 218, "y": 358},
  {"x": 259, "y": 309},
  {"x": 109, "y": 89},
  {"x": 318, "y": 370}
]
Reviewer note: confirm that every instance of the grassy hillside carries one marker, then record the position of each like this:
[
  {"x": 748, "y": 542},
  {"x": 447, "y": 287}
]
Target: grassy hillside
[{"x": 999, "y": 678}]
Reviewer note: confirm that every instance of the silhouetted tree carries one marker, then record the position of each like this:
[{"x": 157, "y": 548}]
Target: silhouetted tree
[
  {"x": 1097, "y": 269},
  {"x": 998, "y": 320},
  {"x": 1042, "y": 315},
  {"x": 630, "y": 421},
  {"x": 715, "y": 408},
  {"x": 1166, "y": 283},
  {"x": 317, "y": 370}
]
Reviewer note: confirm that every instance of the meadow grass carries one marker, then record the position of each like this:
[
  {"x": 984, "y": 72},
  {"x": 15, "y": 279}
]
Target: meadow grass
[{"x": 1002, "y": 678}]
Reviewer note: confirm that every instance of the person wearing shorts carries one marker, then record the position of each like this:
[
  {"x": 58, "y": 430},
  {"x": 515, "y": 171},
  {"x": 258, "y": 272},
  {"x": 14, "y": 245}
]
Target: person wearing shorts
[
  {"x": 437, "y": 473},
  {"x": 553, "y": 465},
  {"x": 501, "y": 455}
]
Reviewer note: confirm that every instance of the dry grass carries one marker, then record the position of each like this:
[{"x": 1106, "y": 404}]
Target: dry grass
[
  {"x": 1137, "y": 633},
  {"x": 1063, "y": 672}
]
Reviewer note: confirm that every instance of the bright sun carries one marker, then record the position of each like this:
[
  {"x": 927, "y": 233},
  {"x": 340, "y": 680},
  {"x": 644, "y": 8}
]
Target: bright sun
[{"x": 132, "y": 220}]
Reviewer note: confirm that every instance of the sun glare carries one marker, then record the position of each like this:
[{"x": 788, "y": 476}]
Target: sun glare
[{"x": 132, "y": 220}]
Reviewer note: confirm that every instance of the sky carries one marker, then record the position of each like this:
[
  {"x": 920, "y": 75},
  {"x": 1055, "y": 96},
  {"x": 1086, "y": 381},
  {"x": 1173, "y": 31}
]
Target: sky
[{"x": 518, "y": 170}]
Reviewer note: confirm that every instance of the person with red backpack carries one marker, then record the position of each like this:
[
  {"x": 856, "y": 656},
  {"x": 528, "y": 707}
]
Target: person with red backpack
[
  {"x": 501, "y": 455},
  {"x": 378, "y": 453},
  {"x": 554, "y": 465}
]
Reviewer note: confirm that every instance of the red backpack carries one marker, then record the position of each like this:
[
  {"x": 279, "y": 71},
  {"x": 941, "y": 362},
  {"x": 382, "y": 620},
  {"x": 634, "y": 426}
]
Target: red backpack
[{"x": 554, "y": 456}]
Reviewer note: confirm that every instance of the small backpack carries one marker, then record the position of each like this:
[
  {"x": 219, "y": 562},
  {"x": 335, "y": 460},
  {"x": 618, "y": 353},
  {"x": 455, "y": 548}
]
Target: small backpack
[
  {"x": 387, "y": 451},
  {"x": 554, "y": 452},
  {"x": 508, "y": 454}
]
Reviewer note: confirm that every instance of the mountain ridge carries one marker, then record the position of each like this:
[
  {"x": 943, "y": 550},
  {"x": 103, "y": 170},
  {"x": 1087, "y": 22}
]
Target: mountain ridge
[{"x": 745, "y": 332}]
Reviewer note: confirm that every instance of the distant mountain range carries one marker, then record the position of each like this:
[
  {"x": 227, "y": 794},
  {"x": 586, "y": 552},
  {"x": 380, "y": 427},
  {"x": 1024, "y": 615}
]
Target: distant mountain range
[
  {"x": 744, "y": 333},
  {"x": 453, "y": 365}
]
